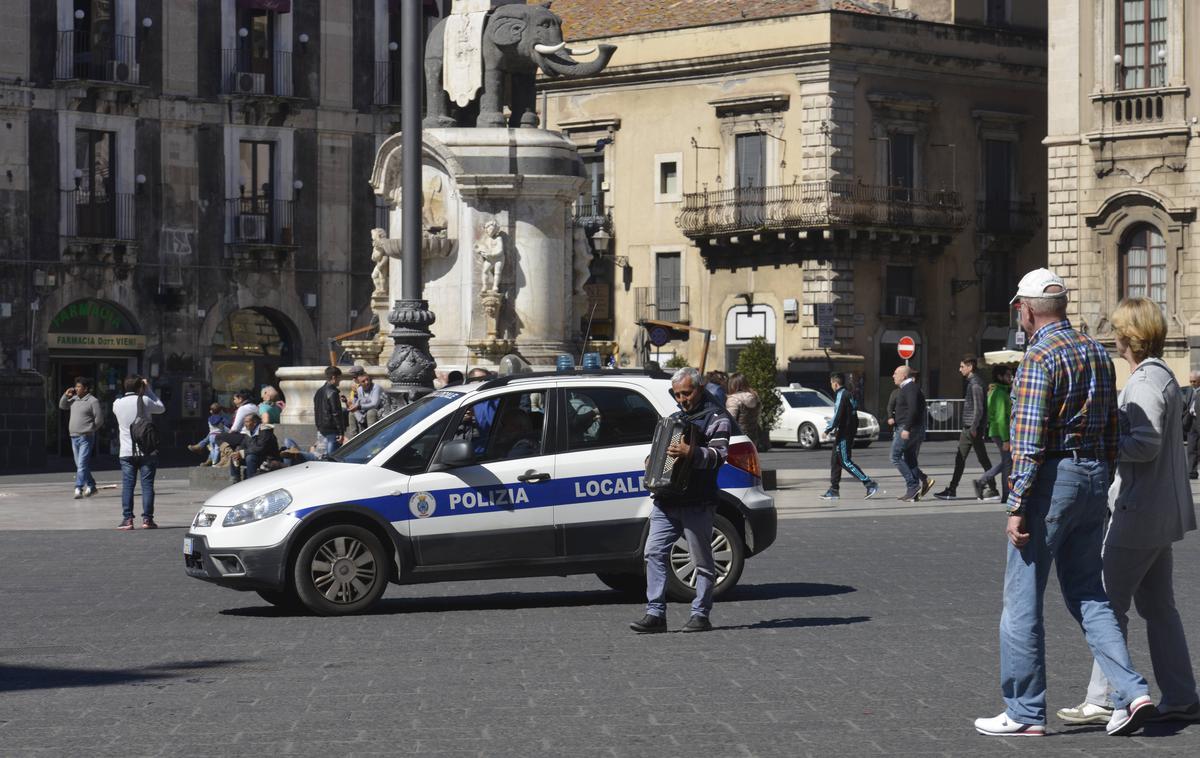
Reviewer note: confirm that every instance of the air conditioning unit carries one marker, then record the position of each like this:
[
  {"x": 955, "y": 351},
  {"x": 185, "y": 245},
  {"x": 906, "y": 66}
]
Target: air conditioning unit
[
  {"x": 126, "y": 73},
  {"x": 246, "y": 83},
  {"x": 902, "y": 305},
  {"x": 251, "y": 228}
]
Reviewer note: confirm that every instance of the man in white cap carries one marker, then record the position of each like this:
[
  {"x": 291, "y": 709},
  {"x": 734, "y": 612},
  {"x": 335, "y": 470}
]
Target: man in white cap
[{"x": 1064, "y": 447}]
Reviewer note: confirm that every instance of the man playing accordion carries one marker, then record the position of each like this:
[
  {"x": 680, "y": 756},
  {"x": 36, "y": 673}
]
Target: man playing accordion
[{"x": 690, "y": 512}]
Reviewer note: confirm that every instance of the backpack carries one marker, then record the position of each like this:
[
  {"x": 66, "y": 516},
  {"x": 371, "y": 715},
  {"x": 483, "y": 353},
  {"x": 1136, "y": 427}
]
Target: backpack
[{"x": 143, "y": 432}]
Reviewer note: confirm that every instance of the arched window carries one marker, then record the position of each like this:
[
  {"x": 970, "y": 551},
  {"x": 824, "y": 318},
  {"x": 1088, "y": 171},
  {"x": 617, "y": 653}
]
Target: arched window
[
  {"x": 1144, "y": 264},
  {"x": 1143, "y": 43}
]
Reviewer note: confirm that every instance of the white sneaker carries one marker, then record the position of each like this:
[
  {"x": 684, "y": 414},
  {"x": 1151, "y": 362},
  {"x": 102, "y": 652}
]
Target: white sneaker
[
  {"x": 91, "y": 490},
  {"x": 1086, "y": 713},
  {"x": 1003, "y": 726},
  {"x": 78, "y": 493},
  {"x": 1127, "y": 720}
]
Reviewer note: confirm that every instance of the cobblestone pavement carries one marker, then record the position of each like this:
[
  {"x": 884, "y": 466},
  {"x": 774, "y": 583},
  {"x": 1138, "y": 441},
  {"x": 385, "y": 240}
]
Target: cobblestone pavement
[{"x": 873, "y": 633}]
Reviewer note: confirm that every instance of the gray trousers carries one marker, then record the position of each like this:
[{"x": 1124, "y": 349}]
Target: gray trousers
[{"x": 1144, "y": 576}]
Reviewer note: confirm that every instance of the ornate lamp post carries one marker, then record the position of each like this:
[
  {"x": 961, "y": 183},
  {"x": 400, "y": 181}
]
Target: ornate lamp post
[{"x": 410, "y": 368}]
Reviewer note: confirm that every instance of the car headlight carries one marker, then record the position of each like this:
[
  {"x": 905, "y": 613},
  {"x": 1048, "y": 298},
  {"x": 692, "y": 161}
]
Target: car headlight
[{"x": 259, "y": 508}]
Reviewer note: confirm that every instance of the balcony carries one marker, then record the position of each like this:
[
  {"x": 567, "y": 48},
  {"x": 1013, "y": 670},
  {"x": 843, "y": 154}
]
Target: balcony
[
  {"x": 1141, "y": 109},
  {"x": 387, "y": 82},
  {"x": 1017, "y": 219},
  {"x": 260, "y": 221},
  {"x": 784, "y": 221},
  {"x": 96, "y": 215},
  {"x": 80, "y": 59},
  {"x": 1139, "y": 130},
  {"x": 592, "y": 215},
  {"x": 246, "y": 75},
  {"x": 665, "y": 304}
]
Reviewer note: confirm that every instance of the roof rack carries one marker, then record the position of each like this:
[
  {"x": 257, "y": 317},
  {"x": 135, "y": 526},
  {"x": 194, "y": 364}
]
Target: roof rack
[{"x": 598, "y": 372}]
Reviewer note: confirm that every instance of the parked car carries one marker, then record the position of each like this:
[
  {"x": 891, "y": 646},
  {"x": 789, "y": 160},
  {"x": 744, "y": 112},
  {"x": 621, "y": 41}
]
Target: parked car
[
  {"x": 526, "y": 475},
  {"x": 804, "y": 415}
]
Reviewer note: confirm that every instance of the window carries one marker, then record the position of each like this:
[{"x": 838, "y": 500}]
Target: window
[
  {"x": 997, "y": 13},
  {"x": 1144, "y": 264},
  {"x": 95, "y": 183},
  {"x": 901, "y": 300},
  {"x": 256, "y": 163},
  {"x": 902, "y": 161},
  {"x": 667, "y": 282},
  {"x": 591, "y": 198},
  {"x": 751, "y": 169},
  {"x": 415, "y": 457},
  {"x": 1143, "y": 43},
  {"x": 667, "y": 185},
  {"x": 606, "y": 416},
  {"x": 505, "y": 427},
  {"x": 254, "y": 49},
  {"x": 997, "y": 187}
]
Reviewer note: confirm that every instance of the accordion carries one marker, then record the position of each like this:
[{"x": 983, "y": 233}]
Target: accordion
[{"x": 666, "y": 475}]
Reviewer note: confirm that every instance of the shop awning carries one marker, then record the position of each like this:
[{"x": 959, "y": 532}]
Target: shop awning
[{"x": 275, "y": 6}]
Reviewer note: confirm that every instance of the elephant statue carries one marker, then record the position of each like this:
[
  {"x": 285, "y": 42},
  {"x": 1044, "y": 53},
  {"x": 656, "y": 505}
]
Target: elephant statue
[{"x": 513, "y": 42}]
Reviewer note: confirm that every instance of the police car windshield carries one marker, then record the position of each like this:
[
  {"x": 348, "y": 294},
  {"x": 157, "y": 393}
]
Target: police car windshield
[
  {"x": 806, "y": 399},
  {"x": 367, "y": 444}
]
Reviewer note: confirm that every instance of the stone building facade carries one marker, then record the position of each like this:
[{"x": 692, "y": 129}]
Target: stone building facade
[
  {"x": 758, "y": 169},
  {"x": 184, "y": 188},
  {"x": 1124, "y": 164}
]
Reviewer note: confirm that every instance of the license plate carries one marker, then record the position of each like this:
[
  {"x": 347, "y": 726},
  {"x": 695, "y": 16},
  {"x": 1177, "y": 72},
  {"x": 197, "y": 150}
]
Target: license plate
[{"x": 187, "y": 545}]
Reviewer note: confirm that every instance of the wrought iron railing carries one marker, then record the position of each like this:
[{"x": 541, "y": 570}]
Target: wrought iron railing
[
  {"x": 243, "y": 73},
  {"x": 387, "y": 82},
  {"x": 819, "y": 204},
  {"x": 98, "y": 215},
  {"x": 592, "y": 215},
  {"x": 1007, "y": 217},
  {"x": 259, "y": 220},
  {"x": 80, "y": 56},
  {"x": 662, "y": 304}
]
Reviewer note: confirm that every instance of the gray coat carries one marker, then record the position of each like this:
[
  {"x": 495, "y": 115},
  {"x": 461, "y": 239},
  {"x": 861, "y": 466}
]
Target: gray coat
[{"x": 1150, "y": 498}]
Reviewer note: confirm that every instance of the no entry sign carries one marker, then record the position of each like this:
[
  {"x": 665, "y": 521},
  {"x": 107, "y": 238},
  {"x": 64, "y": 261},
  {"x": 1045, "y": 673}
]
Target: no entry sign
[{"x": 906, "y": 348}]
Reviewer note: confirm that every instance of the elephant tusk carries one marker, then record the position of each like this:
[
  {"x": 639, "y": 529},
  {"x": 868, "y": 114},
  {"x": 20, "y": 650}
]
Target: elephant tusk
[
  {"x": 579, "y": 52},
  {"x": 549, "y": 49}
]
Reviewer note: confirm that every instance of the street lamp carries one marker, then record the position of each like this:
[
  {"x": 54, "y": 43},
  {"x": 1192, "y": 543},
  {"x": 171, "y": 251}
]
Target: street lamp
[
  {"x": 601, "y": 241},
  {"x": 982, "y": 267}
]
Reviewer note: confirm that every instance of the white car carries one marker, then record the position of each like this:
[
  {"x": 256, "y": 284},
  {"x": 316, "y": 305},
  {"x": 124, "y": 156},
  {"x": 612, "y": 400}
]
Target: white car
[
  {"x": 805, "y": 414},
  {"x": 527, "y": 475}
]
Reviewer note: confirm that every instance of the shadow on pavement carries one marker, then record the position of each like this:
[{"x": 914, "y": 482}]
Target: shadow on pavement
[
  {"x": 780, "y": 590},
  {"x": 796, "y": 623},
  {"x": 21, "y": 678}
]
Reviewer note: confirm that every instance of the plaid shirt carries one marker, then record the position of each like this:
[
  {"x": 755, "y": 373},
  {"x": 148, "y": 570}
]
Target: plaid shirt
[{"x": 1064, "y": 398}]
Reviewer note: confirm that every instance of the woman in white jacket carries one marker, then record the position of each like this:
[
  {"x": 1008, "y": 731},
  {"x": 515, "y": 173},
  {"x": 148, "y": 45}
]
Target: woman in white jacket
[{"x": 1150, "y": 504}]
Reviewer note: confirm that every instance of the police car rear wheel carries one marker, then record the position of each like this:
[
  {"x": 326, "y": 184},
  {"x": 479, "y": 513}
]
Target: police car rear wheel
[
  {"x": 340, "y": 570},
  {"x": 729, "y": 557}
]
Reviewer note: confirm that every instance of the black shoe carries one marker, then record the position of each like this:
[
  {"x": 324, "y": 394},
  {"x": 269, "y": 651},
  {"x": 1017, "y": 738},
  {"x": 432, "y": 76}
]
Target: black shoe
[
  {"x": 946, "y": 494},
  {"x": 1193, "y": 475},
  {"x": 978, "y": 489},
  {"x": 650, "y": 624},
  {"x": 991, "y": 492},
  {"x": 696, "y": 623}
]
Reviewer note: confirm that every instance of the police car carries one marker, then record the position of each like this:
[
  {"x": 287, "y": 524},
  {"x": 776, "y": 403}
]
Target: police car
[{"x": 525, "y": 475}]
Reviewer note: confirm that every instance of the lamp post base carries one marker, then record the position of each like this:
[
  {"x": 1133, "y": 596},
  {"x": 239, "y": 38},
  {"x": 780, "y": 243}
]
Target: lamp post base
[{"x": 410, "y": 368}]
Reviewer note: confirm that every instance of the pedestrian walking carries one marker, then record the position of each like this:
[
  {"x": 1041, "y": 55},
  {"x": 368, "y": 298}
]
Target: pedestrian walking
[
  {"x": 139, "y": 401},
  {"x": 974, "y": 429},
  {"x": 1192, "y": 428},
  {"x": 1151, "y": 506},
  {"x": 86, "y": 419},
  {"x": 744, "y": 407},
  {"x": 999, "y": 406},
  {"x": 691, "y": 513},
  {"x": 329, "y": 411},
  {"x": 844, "y": 427},
  {"x": 909, "y": 434},
  {"x": 1064, "y": 443},
  {"x": 365, "y": 400}
]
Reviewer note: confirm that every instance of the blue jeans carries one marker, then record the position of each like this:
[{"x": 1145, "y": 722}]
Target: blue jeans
[
  {"x": 667, "y": 523},
  {"x": 1064, "y": 516},
  {"x": 1002, "y": 468},
  {"x": 214, "y": 447},
  {"x": 82, "y": 447},
  {"x": 904, "y": 456},
  {"x": 331, "y": 443},
  {"x": 131, "y": 469}
]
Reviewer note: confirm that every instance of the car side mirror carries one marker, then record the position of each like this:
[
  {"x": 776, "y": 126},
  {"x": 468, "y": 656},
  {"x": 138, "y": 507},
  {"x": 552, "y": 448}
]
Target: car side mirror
[{"x": 457, "y": 453}]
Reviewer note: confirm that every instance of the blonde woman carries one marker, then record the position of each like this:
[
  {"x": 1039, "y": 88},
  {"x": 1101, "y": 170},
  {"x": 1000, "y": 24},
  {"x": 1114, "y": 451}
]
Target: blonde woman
[
  {"x": 1150, "y": 503},
  {"x": 268, "y": 408}
]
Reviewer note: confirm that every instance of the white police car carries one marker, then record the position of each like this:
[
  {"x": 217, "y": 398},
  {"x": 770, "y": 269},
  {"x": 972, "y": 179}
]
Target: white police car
[{"x": 527, "y": 475}]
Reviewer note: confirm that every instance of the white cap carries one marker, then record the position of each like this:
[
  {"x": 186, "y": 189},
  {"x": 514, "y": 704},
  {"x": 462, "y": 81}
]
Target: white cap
[{"x": 1036, "y": 282}]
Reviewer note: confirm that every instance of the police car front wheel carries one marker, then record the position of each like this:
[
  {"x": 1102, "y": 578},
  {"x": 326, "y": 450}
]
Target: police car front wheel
[
  {"x": 729, "y": 557},
  {"x": 339, "y": 570}
]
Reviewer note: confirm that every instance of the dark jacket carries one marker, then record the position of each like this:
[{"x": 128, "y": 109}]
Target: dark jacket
[
  {"x": 712, "y": 427},
  {"x": 327, "y": 408},
  {"x": 910, "y": 407},
  {"x": 261, "y": 444},
  {"x": 974, "y": 416},
  {"x": 844, "y": 424}
]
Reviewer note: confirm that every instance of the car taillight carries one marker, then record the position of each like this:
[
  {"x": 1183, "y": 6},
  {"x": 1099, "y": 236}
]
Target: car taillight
[{"x": 743, "y": 455}]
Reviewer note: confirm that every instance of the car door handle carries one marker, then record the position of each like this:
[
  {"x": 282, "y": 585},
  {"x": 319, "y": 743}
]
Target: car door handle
[{"x": 533, "y": 476}]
